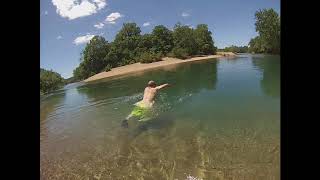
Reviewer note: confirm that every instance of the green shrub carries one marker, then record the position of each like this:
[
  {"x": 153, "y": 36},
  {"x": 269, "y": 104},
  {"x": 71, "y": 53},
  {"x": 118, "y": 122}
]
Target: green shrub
[
  {"x": 148, "y": 57},
  {"x": 50, "y": 81},
  {"x": 180, "y": 53},
  {"x": 107, "y": 68},
  {"x": 170, "y": 54},
  {"x": 159, "y": 56}
]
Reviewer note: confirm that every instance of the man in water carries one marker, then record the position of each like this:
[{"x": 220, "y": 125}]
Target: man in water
[{"x": 142, "y": 109}]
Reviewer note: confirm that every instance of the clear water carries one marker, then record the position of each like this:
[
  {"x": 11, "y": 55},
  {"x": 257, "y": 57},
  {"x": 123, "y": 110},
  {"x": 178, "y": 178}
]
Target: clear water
[{"x": 220, "y": 119}]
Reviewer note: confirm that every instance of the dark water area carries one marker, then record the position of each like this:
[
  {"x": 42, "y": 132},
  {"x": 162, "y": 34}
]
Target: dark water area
[{"x": 220, "y": 119}]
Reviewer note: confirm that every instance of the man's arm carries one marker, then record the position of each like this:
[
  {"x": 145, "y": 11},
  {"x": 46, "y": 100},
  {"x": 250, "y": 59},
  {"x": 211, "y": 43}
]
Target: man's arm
[{"x": 162, "y": 86}]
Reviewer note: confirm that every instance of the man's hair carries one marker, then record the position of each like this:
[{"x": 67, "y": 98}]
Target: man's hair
[{"x": 151, "y": 84}]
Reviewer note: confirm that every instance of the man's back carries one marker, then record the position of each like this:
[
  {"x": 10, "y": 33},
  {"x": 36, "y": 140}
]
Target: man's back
[{"x": 149, "y": 95}]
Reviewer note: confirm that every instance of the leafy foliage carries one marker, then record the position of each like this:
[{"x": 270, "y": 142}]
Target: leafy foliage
[
  {"x": 50, "y": 81},
  {"x": 126, "y": 44},
  {"x": 180, "y": 53},
  {"x": 268, "y": 26},
  {"x": 162, "y": 40},
  {"x": 107, "y": 68},
  {"x": 236, "y": 49},
  {"x": 183, "y": 38},
  {"x": 149, "y": 57},
  {"x": 92, "y": 59},
  {"x": 204, "y": 40}
]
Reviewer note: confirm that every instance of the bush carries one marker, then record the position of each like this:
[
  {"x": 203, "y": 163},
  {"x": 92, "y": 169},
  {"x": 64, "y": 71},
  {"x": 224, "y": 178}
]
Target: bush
[
  {"x": 70, "y": 80},
  {"x": 107, "y": 68},
  {"x": 170, "y": 54},
  {"x": 180, "y": 53},
  {"x": 159, "y": 56},
  {"x": 148, "y": 57},
  {"x": 50, "y": 81},
  {"x": 214, "y": 50}
]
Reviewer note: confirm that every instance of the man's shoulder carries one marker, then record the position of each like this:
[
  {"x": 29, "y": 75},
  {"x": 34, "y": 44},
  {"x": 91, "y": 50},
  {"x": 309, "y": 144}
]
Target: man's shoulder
[{"x": 150, "y": 89}]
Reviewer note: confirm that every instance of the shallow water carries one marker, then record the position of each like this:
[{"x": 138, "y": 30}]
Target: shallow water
[{"x": 220, "y": 119}]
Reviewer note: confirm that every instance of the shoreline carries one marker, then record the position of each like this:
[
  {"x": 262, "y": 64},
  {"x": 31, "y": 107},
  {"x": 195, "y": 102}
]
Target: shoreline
[{"x": 138, "y": 67}]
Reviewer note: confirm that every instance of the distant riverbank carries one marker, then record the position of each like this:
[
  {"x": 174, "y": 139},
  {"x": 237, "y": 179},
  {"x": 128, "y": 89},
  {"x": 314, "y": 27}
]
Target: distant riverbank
[{"x": 137, "y": 67}]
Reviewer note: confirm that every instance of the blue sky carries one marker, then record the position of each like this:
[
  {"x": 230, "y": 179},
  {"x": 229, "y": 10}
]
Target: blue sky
[{"x": 66, "y": 25}]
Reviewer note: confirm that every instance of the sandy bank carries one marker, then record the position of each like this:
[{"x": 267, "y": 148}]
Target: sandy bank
[{"x": 133, "y": 68}]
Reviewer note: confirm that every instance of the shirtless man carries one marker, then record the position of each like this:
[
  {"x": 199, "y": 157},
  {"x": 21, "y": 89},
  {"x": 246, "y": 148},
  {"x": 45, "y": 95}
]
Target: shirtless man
[
  {"x": 150, "y": 92},
  {"x": 146, "y": 103}
]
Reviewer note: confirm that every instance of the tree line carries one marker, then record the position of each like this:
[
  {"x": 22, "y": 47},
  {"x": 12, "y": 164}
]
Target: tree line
[
  {"x": 235, "y": 49},
  {"x": 130, "y": 46}
]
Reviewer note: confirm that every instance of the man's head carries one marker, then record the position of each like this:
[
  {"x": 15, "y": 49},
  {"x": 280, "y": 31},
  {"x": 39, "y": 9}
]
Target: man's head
[{"x": 152, "y": 84}]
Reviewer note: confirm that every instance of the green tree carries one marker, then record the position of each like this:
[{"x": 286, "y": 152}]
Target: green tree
[
  {"x": 80, "y": 73},
  {"x": 92, "y": 58},
  {"x": 114, "y": 56},
  {"x": 145, "y": 43},
  {"x": 126, "y": 43},
  {"x": 268, "y": 26},
  {"x": 128, "y": 30},
  {"x": 94, "y": 53},
  {"x": 256, "y": 45},
  {"x": 50, "y": 81},
  {"x": 203, "y": 39},
  {"x": 162, "y": 40},
  {"x": 183, "y": 40}
]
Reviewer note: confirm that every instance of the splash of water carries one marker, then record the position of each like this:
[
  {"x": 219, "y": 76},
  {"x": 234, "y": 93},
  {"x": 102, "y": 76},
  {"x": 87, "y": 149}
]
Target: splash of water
[
  {"x": 189, "y": 177},
  {"x": 166, "y": 103}
]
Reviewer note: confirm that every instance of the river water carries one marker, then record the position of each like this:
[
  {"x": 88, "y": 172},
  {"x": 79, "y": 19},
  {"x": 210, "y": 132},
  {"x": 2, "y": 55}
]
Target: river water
[{"x": 220, "y": 119}]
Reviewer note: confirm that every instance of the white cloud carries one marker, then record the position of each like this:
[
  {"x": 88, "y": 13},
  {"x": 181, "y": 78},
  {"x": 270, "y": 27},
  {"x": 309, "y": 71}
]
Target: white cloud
[
  {"x": 113, "y": 17},
  {"x": 73, "y": 9},
  {"x": 146, "y": 24},
  {"x": 59, "y": 37},
  {"x": 83, "y": 39},
  {"x": 100, "y": 3},
  {"x": 184, "y": 14},
  {"x": 99, "y": 25}
]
